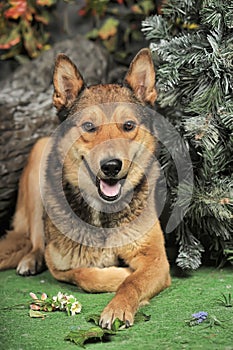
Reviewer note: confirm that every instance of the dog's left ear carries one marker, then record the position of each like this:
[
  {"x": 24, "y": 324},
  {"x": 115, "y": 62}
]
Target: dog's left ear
[
  {"x": 141, "y": 77},
  {"x": 67, "y": 82}
]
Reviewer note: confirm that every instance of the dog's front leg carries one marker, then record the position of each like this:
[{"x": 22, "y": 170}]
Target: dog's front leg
[
  {"x": 94, "y": 279},
  {"x": 90, "y": 279},
  {"x": 150, "y": 276}
]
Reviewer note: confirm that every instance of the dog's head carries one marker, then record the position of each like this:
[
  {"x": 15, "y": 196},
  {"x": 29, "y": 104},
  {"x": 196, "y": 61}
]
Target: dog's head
[{"x": 109, "y": 140}]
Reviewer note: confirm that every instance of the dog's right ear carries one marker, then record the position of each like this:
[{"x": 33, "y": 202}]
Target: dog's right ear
[
  {"x": 67, "y": 82},
  {"x": 141, "y": 77}
]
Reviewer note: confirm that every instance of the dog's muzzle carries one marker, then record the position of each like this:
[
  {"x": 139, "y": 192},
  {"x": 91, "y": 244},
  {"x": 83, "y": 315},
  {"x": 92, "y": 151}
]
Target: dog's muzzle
[{"x": 109, "y": 187}]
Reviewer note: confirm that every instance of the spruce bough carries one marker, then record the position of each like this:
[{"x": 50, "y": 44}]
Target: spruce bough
[{"x": 192, "y": 46}]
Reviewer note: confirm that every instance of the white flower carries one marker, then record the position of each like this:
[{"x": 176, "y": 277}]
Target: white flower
[
  {"x": 60, "y": 296},
  {"x": 76, "y": 308},
  {"x": 67, "y": 302},
  {"x": 60, "y": 300}
]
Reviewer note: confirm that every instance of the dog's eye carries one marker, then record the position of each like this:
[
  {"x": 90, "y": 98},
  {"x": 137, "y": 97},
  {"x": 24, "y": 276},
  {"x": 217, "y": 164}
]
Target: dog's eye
[
  {"x": 129, "y": 125},
  {"x": 89, "y": 127}
]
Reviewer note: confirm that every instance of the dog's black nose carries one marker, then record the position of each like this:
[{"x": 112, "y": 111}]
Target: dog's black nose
[{"x": 111, "y": 167}]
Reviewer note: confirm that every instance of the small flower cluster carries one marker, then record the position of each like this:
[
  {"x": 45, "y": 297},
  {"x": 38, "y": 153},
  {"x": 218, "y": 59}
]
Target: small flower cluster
[
  {"x": 68, "y": 303},
  {"x": 62, "y": 302},
  {"x": 197, "y": 318}
]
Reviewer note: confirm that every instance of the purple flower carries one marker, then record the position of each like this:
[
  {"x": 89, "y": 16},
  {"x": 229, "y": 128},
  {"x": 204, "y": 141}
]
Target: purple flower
[{"x": 200, "y": 316}]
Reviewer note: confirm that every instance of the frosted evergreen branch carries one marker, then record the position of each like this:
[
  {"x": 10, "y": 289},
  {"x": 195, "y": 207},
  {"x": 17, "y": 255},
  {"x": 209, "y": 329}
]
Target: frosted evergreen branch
[
  {"x": 155, "y": 28},
  {"x": 192, "y": 44},
  {"x": 190, "y": 250}
]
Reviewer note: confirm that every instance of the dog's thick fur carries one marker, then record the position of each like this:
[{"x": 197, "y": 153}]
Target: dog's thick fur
[{"x": 103, "y": 162}]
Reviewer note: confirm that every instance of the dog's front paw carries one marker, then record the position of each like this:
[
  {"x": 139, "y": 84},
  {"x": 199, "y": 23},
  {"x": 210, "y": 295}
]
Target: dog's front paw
[
  {"x": 120, "y": 309},
  {"x": 31, "y": 264}
]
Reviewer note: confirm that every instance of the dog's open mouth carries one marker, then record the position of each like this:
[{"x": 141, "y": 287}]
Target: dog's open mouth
[{"x": 109, "y": 189}]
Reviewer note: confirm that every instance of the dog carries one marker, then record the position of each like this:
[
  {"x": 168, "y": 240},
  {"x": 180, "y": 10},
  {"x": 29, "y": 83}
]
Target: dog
[{"x": 86, "y": 200}]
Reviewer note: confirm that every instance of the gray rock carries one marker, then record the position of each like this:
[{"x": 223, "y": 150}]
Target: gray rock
[{"x": 26, "y": 111}]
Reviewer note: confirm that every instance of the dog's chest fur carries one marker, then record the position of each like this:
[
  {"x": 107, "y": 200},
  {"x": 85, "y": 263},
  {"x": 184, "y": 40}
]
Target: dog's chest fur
[
  {"x": 67, "y": 253},
  {"x": 103, "y": 234},
  {"x": 103, "y": 218}
]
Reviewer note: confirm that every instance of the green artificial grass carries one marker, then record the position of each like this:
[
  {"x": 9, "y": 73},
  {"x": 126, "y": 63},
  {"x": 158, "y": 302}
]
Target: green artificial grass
[{"x": 167, "y": 328}]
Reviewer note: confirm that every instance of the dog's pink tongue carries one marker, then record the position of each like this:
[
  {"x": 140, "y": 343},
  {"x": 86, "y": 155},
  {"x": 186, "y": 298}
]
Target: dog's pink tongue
[{"x": 110, "y": 190}]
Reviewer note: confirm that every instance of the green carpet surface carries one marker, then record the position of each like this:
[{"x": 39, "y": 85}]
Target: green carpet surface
[{"x": 167, "y": 328}]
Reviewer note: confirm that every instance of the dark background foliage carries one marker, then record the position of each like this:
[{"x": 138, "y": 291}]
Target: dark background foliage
[{"x": 192, "y": 46}]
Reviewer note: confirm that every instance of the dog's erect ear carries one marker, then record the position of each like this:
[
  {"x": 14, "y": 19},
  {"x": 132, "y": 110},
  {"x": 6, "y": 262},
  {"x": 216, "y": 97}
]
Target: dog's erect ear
[
  {"x": 67, "y": 82},
  {"x": 141, "y": 77}
]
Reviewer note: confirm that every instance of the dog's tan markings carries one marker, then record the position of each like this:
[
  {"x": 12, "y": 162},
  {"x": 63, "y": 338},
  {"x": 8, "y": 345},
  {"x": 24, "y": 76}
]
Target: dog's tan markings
[
  {"x": 149, "y": 141},
  {"x": 68, "y": 82},
  {"x": 122, "y": 114},
  {"x": 96, "y": 116},
  {"x": 27, "y": 234},
  {"x": 141, "y": 77}
]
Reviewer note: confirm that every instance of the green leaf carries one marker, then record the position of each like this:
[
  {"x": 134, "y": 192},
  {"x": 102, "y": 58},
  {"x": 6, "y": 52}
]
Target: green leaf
[
  {"x": 46, "y": 2},
  {"x": 110, "y": 43},
  {"x": 13, "y": 52},
  {"x": 49, "y": 308},
  {"x": 148, "y": 6},
  {"x": 10, "y": 39},
  {"x": 141, "y": 317},
  {"x": 109, "y": 28},
  {"x": 92, "y": 34},
  {"x": 29, "y": 39},
  {"x": 94, "y": 319},
  {"x": 81, "y": 336},
  {"x": 117, "y": 324}
]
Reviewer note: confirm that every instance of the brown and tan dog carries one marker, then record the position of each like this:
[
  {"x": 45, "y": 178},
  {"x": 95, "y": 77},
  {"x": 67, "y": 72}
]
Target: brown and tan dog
[{"x": 97, "y": 177}]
